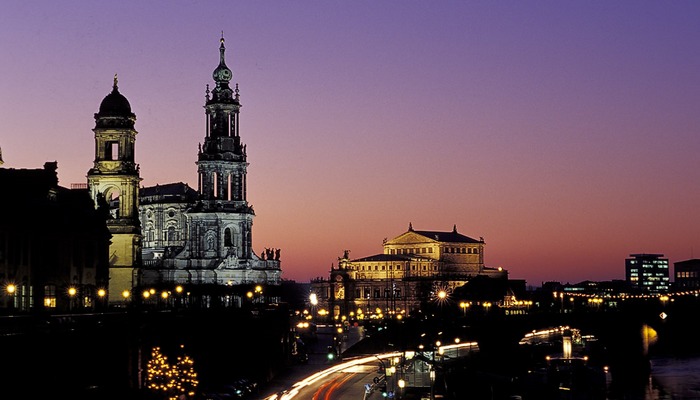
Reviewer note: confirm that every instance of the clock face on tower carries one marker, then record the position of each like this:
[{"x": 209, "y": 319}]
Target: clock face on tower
[{"x": 222, "y": 74}]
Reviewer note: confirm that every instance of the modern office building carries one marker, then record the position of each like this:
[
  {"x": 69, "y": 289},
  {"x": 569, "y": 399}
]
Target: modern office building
[
  {"x": 687, "y": 274},
  {"x": 648, "y": 273}
]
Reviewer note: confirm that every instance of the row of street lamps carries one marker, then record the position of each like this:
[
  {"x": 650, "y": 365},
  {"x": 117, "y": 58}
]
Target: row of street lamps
[{"x": 74, "y": 292}]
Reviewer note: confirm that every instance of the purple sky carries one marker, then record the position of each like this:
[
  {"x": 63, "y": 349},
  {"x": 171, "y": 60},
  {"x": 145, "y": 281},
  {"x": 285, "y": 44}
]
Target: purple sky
[{"x": 566, "y": 133}]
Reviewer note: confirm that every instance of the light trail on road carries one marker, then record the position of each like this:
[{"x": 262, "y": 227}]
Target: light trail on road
[
  {"x": 348, "y": 366},
  {"x": 326, "y": 372}
]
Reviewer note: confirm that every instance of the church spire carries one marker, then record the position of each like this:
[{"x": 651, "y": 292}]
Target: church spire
[
  {"x": 222, "y": 74},
  {"x": 222, "y": 50}
]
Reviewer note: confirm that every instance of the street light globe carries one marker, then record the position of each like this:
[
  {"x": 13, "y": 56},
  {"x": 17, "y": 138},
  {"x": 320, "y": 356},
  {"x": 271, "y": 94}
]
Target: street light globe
[
  {"x": 178, "y": 289},
  {"x": 101, "y": 292},
  {"x": 313, "y": 299},
  {"x": 442, "y": 294},
  {"x": 402, "y": 383},
  {"x": 126, "y": 294},
  {"x": 249, "y": 295},
  {"x": 11, "y": 288},
  {"x": 72, "y": 291}
]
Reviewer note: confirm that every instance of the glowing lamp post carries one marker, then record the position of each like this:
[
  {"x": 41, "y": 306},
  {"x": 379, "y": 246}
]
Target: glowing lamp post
[
  {"x": 72, "y": 292},
  {"x": 165, "y": 295},
  {"x": 464, "y": 305},
  {"x": 11, "y": 289},
  {"x": 146, "y": 294},
  {"x": 178, "y": 295},
  {"x": 101, "y": 295}
]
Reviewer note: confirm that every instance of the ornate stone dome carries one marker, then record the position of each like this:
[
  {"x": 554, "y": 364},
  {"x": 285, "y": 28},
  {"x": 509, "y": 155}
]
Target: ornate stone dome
[{"x": 115, "y": 104}]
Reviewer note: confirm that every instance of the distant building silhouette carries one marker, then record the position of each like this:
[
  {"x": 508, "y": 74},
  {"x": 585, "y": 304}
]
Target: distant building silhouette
[
  {"x": 687, "y": 274},
  {"x": 648, "y": 273},
  {"x": 413, "y": 268}
]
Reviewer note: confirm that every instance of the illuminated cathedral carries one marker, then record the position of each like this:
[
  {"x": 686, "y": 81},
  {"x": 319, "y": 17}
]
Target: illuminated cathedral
[
  {"x": 205, "y": 236},
  {"x": 173, "y": 235}
]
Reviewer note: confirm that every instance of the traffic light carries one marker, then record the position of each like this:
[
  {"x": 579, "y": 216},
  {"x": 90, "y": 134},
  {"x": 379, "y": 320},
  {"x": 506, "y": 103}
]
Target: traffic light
[{"x": 331, "y": 353}]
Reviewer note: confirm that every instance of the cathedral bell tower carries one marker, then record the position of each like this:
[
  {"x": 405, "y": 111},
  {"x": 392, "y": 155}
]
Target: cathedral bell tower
[
  {"x": 222, "y": 166},
  {"x": 113, "y": 183}
]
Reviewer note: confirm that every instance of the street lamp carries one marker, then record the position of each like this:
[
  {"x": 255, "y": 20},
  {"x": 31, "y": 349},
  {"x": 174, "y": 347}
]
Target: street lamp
[
  {"x": 101, "y": 294},
  {"x": 464, "y": 305},
  {"x": 401, "y": 383},
  {"x": 11, "y": 289},
  {"x": 72, "y": 291}
]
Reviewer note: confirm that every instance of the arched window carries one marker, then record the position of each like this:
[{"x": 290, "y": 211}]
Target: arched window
[{"x": 228, "y": 241}]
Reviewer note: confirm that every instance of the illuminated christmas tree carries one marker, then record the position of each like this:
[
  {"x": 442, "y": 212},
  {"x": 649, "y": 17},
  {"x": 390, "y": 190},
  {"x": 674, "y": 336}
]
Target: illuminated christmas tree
[{"x": 177, "y": 381}]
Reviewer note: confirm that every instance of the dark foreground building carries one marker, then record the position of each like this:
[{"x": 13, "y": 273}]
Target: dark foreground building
[{"x": 53, "y": 244}]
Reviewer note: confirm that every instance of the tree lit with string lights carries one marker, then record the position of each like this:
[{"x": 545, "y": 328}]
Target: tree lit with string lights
[{"x": 173, "y": 381}]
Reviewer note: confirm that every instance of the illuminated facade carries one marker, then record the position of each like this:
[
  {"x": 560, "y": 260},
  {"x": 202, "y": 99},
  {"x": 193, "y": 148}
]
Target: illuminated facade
[
  {"x": 114, "y": 179},
  {"x": 412, "y": 270},
  {"x": 647, "y": 272},
  {"x": 205, "y": 236}
]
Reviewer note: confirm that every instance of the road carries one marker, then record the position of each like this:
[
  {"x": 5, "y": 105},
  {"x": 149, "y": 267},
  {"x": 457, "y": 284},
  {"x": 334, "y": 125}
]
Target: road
[
  {"x": 367, "y": 377},
  {"x": 318, "y": 358},
  {"x": 346, "y": 379}
]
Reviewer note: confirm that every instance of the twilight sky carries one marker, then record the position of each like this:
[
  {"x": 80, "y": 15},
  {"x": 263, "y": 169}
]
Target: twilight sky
[{"x": 565, "y": 133}]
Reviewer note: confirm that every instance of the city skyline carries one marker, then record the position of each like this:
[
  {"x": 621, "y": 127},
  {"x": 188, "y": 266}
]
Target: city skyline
[{"x": 564, "y": 134}]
